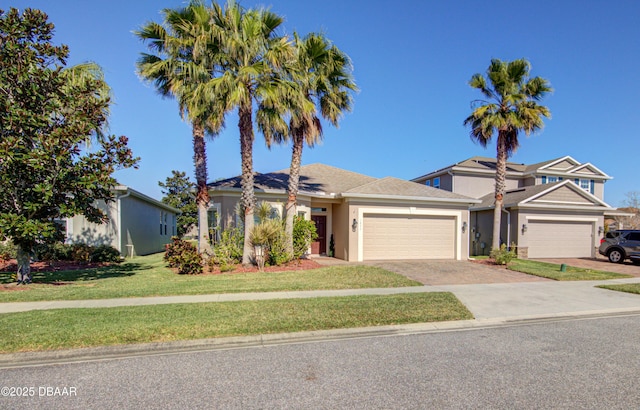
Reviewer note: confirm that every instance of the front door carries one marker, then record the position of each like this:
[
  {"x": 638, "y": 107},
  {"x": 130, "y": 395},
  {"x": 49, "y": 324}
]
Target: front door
[{"x": 319, "y": 247}]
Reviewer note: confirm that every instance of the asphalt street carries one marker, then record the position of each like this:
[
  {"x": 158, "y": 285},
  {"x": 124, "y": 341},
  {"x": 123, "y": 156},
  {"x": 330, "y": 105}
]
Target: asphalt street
[{"x": 582, "y": 363}]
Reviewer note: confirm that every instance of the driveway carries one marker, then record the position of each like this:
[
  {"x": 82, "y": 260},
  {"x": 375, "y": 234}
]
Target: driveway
[
  {"x": 599, "y": 263},
  {"x": 452, "y": 272}
]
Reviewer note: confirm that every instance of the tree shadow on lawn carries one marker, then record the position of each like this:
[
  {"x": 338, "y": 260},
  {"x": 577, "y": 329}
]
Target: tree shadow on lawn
[{"x": 79, "y": 275}]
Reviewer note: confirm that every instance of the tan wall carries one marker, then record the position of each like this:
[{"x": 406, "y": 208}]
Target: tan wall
[
  {"x": 564, "y": 194},
  {"x": 478, "y": 186},
  {"x": 341, "y": 227}
]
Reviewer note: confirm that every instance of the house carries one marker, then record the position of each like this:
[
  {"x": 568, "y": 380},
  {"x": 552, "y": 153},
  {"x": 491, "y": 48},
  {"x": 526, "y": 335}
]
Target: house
[
  {"x": 137, "y": 225},
  {"x": 368, "y": 218},
  {"x": 552, "y": 209}
]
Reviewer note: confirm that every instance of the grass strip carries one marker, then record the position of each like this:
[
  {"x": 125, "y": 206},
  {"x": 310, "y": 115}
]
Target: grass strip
[
  {"x": 629, "y": 288},
  {"x": 148, "y": 276},
  {"x": 552, "y": 271},
  {"x": 77, "y": 328}
]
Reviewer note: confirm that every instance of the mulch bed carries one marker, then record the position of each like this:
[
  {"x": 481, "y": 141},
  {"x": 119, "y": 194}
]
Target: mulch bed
[
  {"x": 51, "y": 266},
  {"x": 488, "y": 262}
]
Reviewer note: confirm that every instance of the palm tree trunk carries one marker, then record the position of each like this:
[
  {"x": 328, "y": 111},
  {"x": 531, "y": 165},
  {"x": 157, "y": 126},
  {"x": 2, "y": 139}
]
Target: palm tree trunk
[
  {"x": 202, "y": 192},
  {"x": 245, "y": 124},
  {"x": 294, "y": 178},
  {"x": 501, "y": 175}
]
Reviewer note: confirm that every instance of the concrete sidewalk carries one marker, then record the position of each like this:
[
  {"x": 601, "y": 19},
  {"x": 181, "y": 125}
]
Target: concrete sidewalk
[{"x": 485, "y": 301}]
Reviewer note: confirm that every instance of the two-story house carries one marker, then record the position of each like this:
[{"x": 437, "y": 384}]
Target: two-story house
[{"x": 551, "y": 209}]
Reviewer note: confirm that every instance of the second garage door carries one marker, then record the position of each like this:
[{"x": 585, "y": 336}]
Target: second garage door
[
  {"x": 559, "y": 239},
  {"x": 408, "y": 237}
]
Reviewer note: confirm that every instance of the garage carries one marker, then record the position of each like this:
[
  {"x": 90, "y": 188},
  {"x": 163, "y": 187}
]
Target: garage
[
  {"x": 560, "y": 239},
  {"x": 387, "y": 237}
]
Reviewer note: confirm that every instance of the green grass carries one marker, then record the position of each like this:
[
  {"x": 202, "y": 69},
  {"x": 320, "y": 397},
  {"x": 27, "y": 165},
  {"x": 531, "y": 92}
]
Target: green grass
[
  {"x": 629, "y": 288},
  {"x": 76, "y": 328},
  {"x": 552, "y": 271},
  {"x": 148, "y": 276}
]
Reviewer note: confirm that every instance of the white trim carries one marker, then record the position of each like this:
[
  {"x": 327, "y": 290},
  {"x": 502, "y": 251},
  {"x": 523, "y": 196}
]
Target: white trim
[
  {"x": 591, "y": 166},
  {"x": 572, "y": 185},
  {"x": 562, "y": 202},
  {"x": 560, "y": 218},
  {"x": 408, "y": 211},
  {"x": 557, "y": 161},
  {"x": 412, "y": 198},
  {"x": 594, "y": 208}
]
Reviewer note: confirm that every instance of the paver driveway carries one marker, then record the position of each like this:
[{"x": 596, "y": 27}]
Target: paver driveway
[{"x": 451, "y": 272}]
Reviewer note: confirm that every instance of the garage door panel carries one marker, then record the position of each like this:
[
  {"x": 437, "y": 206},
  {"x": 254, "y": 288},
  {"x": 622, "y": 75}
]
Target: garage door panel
[
  {"x": 560, "y": 239},
  {"x": 408, "y": 237}
]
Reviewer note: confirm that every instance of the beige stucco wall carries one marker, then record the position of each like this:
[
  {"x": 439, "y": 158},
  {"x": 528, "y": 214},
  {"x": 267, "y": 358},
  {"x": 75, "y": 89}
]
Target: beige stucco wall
[
  {"x": 341, "y": 228},
  {"x": 477, "y": 186}
]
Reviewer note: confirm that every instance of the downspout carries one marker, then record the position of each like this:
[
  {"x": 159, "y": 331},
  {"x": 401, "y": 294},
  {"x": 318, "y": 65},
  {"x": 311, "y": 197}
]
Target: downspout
[
  {"x": 452, "y": 186},
  {"x": 119, "y": 218},
  {"x": 508, "y": 228}
]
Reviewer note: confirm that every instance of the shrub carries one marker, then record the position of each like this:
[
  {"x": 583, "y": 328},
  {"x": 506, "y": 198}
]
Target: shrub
[
  {"x": 228, "y": 250},
  {"x": 105, "y": 253},
  {"x": 81, "y": 252},
  {"x": 304, "y": 232},
  {"x": 503, "y": 256},
  {"x": 53, "y": 252},
  {"x": 183, "y": 256},
  {"x": 278, "y": 254},
  {"x": 7, "y": 251}
]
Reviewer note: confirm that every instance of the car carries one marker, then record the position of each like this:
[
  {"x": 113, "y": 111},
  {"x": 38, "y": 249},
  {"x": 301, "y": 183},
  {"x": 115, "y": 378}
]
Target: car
[{"x": 620, "y": 245}]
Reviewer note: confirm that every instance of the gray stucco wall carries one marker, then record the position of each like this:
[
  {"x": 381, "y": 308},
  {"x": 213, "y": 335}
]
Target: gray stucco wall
[{"x": 140, "y": 222}]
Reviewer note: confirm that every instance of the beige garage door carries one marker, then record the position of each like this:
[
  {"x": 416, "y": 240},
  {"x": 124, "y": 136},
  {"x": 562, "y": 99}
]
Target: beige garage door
[
  {"x": 558, "y": 239},
  {"x": 408, "y": 237}
]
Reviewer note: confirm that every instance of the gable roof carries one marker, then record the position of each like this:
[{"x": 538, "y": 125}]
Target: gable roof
[
  {"x": 546, "y": 195},
  {"x": 123, "y": 191},
  {"x": 559, "y": 166},
  {"x": 323, "y": 180}
]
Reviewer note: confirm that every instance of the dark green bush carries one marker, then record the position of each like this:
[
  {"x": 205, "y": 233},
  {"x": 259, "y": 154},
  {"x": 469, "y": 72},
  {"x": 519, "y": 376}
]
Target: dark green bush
[
  {"x": 183, "y": 256},
  {"x": 53, "y": 252},
  {"x": 105, "y": 253},
  {"x": 81, "y": 252},
  {"x": 304, "y": 232}
]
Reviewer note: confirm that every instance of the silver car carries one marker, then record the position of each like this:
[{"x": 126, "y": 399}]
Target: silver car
[{"x": 621, "y": 245}]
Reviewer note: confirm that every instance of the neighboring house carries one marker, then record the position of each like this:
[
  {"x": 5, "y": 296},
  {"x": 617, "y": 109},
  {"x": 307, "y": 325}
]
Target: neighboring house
[
  {"x": 369, "y": 218},
  {"x": 551, "y": 209},
  {"x": 137, "y": 225}
]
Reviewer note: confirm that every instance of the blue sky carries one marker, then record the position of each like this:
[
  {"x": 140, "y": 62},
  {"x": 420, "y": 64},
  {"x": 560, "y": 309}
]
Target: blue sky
[{"x": 412, "y": 61}]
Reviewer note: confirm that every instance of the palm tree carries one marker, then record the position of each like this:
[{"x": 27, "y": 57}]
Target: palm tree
[
  {"x": 251, "y": 55},
  {"x": 184, "y": 60},
  {"x": 320, "y": 84},
  {"x": 511, "y": 107}
]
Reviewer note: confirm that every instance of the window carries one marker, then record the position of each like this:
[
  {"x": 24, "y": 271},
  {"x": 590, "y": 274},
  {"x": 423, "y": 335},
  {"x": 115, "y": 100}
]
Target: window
[
  {"x": 166, "y": 215},
  {"x": 161, "y": 220},
  {"x": 550, "y": 179},
  {"x": 436, "y": 182},
  {"x": 586, "y": 184},
  {"x": 427, "y": 182}
]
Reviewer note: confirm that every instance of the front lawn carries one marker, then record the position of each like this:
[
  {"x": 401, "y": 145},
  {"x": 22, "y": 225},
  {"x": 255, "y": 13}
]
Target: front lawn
[
  {"x": 629, "y": 288},
  {"x": 76, "y": 328},
  {"x": 147, "y": 276},
  {"x": 552, "y": 271}
]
